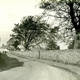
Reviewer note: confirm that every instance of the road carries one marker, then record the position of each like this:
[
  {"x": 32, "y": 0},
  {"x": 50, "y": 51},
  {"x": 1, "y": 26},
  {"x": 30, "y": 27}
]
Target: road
[{"x": 32, "y": 70}]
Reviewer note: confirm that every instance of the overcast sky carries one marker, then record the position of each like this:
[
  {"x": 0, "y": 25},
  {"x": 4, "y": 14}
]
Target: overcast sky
[{"x": 12, "y": 11}]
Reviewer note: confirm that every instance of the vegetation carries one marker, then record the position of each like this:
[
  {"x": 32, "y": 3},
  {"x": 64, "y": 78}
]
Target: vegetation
[
  {"x": 1, "y": 60},
  {"x": 52, "y": 46},
  {"x": 67, "y": 12},
  {"x": 28, "y": 31},
  {"x": 52, "y": 39},
  {"x": 71, "y": 45},
  {"x": 32, "y": 31},
  {"x": 7, "y": 62},
  {"x": 62, "y": 56}
]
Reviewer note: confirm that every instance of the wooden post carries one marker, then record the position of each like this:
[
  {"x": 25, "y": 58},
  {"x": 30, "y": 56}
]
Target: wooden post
[{"x": 39, "y": 52}]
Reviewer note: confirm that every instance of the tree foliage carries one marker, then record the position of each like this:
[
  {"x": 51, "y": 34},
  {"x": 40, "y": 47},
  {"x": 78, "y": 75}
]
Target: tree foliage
[
  {"x": 72, "y": 43},
  {"x": 13, "y": 43},
  {"x": 30, "y": 30},
  {"x": 52, "y": 39},
  {"x": 52, "y": 45},
  {"x": 67, "y": 12}
]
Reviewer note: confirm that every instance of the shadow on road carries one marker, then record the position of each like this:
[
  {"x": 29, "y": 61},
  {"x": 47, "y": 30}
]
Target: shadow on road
[{"x": 7, "y": 62}]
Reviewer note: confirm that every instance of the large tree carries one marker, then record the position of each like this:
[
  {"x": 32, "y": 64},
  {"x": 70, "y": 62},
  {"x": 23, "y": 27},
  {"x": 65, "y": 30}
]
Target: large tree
[
  {"x": 67, "y": 12},
  {"x": 30, "y": 30}
]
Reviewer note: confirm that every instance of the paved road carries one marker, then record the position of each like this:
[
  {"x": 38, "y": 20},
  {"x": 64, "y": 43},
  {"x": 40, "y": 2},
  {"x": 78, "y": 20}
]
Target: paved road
[{"x": 32, "y": 70}]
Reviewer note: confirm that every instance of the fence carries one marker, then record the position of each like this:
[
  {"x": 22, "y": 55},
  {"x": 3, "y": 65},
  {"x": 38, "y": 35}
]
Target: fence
[{"x": 64, "y": 56}]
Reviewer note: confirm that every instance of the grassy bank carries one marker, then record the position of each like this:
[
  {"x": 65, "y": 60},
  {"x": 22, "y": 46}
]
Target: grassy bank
[
  {"x": 63, "y": 56},
  {"x": 7, "y": 62}
]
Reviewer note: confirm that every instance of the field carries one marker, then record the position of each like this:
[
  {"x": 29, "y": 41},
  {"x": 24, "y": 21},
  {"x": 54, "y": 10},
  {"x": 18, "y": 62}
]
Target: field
[{"x": 63, "y": 56}]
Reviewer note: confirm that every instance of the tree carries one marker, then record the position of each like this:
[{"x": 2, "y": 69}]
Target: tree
[
  {"x": 52, "y": 45},
  {"x": 13, "y": 44},
  {"x": 30, "y": 30},
  {"x": 52, "y": 39},
  {"x": 67, "y": 13},
  {"x": 71, "y": 45}
]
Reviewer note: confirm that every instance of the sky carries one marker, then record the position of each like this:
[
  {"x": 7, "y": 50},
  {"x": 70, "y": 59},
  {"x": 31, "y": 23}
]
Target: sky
[{"x": 12, "y": 11}]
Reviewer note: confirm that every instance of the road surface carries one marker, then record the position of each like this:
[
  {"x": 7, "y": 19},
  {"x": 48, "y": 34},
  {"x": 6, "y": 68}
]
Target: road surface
[{"x": 32, "y": 70}]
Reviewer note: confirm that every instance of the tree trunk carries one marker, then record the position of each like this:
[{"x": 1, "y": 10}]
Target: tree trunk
[
  {"x": 27, "y": 45},
  {"x": 77, "y": 41}
]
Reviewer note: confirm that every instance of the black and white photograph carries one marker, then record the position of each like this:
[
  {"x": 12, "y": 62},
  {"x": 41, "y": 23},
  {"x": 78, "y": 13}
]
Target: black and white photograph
[{"x": 39, "y": 39}]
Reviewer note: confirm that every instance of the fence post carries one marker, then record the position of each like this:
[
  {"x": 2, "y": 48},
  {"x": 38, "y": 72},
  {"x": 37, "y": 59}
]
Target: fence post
[{"x": 39, "y": 51}]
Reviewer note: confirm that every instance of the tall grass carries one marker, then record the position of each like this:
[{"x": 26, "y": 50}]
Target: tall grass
[{"x": 64, "y": 56}]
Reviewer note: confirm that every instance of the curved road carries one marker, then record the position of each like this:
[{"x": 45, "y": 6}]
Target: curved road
[{"x": 32, "y": 70}]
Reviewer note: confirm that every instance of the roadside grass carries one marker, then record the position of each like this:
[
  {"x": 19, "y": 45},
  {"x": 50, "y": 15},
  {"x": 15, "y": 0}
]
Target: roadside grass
[
  {"x": 52, "y": 58},
  {"x": 7, "y": 62},
  {"x": 63, "y": 56}
]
